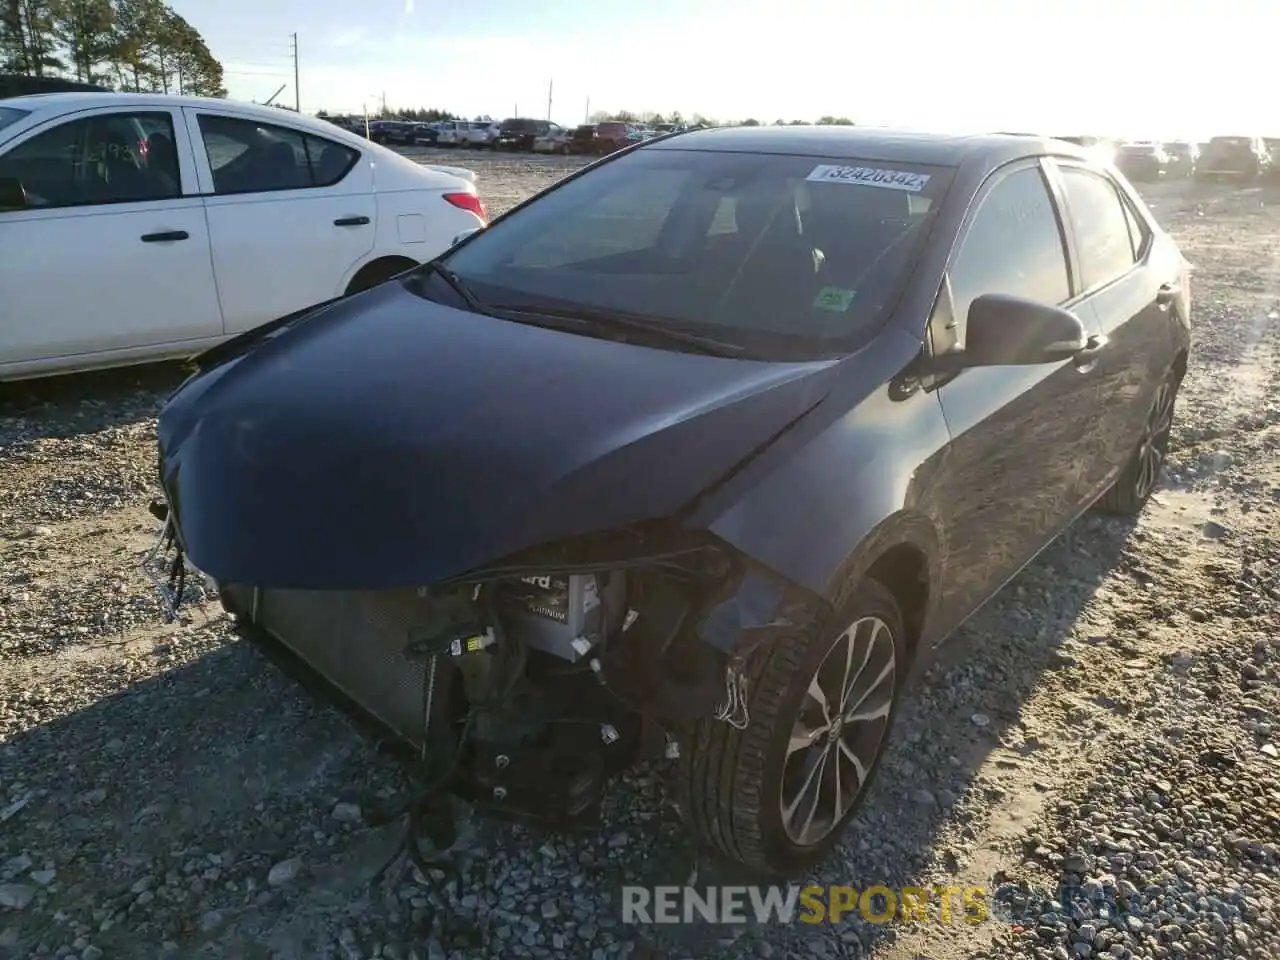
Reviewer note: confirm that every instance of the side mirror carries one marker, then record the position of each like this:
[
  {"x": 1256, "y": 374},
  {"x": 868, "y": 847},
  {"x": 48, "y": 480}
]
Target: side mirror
[
  {"x": 1004, "y": 331},
  {"x": 13, "y": 196}
]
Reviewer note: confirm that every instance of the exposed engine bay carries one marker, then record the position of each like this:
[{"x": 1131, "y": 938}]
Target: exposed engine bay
[{"x": 522, "y": 687}]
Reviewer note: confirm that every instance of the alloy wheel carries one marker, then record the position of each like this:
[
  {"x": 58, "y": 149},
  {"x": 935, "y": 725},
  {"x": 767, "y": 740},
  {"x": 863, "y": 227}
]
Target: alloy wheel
[
  {"x": 842, "y": 722},
  {"x": 1155, "y": 440}
]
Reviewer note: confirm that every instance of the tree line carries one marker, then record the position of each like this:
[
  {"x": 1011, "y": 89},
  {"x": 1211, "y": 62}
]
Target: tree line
[
  {"x": 135, "y": 45},
  {"x": 424, "y": 115}
]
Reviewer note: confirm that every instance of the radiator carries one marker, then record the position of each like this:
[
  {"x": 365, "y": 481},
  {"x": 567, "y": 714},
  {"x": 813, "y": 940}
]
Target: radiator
[{"x": 354, "y": 641}]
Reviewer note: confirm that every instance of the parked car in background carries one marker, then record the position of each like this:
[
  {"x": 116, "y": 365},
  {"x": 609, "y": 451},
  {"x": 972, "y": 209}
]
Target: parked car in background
[
  {"x": 1233, "y": 158},
  {"x": 186, "y": 221},
  {"x": 518, "y": 133},
  {"x": 1143, "y": 160},
  {"x": 1100, "y": 148},
  {"x": 555, "y": 140},
  {"x": 21, "y": 85},
  {"x": 1273, "y": 157},
  {"x": 1183, "y": 157},
  {"x": 729, "y": 432},
  {"x": 614, "y": 135},
  {"x": 583, "y": 139},
  {"x": 454, "y": 133},
  {"x": 482, "y": 133}
]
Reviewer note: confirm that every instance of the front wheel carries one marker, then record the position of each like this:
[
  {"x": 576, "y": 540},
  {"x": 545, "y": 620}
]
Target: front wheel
[
  {"x": 1129, "y": 494},
  {"x": 775, "y": 797}
]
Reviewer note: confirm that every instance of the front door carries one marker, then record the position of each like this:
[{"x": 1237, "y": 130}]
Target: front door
[
  {"x": 290, "y": 214},
  {"x": 110, "y": 253},
  {"x": 1020, "y": 456}
]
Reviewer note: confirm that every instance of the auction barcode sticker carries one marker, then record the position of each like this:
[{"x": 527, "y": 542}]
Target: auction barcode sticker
[{"x": 869, "y": 177}]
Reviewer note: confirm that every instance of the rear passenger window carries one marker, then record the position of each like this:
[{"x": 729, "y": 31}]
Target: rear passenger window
[
  {"x": 1101, "y": 224},
  {"x": 1013, "y": 246},
  {"x": 250, "y": 157},
  {"x": 1139, "y": 233}
]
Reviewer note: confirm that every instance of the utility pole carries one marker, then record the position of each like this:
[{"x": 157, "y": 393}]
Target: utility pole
[
  {"x": 586, "y": 112},
  {"x": 550, "y": 86},
  {"x": 297, "y": 94}
]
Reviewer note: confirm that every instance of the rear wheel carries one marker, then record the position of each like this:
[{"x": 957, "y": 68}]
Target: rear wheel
[
  {"x": 1129, "y": 494},
  {"x": 379, "y": 271},
  {"x": 776, "y": 796}
]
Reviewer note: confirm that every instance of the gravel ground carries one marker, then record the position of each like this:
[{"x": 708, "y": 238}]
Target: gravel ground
[{"x": 1110, "y": 722}]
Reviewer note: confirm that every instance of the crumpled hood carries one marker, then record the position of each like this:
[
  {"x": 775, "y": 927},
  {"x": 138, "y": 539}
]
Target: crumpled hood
[{"x": 390, "y": 441}]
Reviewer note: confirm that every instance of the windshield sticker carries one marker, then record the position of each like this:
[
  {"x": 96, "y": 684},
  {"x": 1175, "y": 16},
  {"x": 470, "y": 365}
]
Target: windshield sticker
[
  {"x": 869, "y": 177},
  {"x": 836, "y": 299}
]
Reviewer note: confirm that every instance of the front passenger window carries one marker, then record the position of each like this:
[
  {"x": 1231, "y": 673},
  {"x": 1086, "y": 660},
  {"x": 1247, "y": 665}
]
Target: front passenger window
[
  {"x": 108, "y": 158},
  {"x": 1013, "y": 246}
]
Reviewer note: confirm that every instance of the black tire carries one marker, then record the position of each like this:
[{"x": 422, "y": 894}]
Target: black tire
[
  {"x": 1140, "y": 476},
  {"x": 731, "y": 782}
]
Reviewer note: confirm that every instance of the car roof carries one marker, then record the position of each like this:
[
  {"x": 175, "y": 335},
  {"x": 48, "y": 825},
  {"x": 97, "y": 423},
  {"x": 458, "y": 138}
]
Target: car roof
[
  {"x": 870, "y": 143},
  {"x": 68, "y": 102}
]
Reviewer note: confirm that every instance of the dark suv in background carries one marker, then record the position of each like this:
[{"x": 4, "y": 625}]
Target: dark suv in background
[
  {"x": 518, "y": 133},
  {"x": 614, "y": 135},
  {"x": 583, "y": 139},
  {"x": 20, "y": 85},
  {"x": 1233, "y": 158}
]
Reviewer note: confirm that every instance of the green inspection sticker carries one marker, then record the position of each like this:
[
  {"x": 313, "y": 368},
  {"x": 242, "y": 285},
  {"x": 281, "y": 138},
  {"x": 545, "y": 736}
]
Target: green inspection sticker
[{"x": 833, "y": 298}]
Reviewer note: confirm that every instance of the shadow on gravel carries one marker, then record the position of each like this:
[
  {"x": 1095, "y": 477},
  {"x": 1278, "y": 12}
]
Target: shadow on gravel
[
  {"x": 966, "y": 706},
  {"x": 81, "y": 403},
  {"x": 189, "y": 786}
]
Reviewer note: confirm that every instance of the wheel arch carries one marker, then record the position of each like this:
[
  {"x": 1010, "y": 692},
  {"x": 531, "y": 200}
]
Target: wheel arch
[
  {"x": 902, "y": 553},
  {"x": 372, "y": 272}
]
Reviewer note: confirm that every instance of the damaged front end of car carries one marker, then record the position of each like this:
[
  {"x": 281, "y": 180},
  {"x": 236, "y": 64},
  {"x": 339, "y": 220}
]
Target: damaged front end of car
[
  {"x": 499, "y": 564},
  {"x": 527, "y": 682}
]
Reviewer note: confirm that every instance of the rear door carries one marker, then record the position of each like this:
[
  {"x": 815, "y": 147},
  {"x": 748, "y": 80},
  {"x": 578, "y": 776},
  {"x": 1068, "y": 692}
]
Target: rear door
[
  {"x": 111, "y": 254},
  {"x": 1020, "y": 454},
  {"x": 1129, "y": 282},
  {"x": 290, "y": 214}
]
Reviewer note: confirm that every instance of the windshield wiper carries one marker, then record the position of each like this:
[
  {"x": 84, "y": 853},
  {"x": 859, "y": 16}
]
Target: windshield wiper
[
  {"x": 627, "y": 323},
  {"x": 455, "y": 284}
]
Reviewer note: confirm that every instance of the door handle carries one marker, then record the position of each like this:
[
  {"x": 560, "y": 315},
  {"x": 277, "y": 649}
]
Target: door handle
[
  {"x": 351, "y": 221},
  {"x": 1087, "y": 355},
  {"x": 165, "y": 236},
  {"x": 1165, "y": 295}
]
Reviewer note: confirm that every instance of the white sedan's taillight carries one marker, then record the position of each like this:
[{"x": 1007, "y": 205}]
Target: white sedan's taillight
[{"x": 468, "y": 201}]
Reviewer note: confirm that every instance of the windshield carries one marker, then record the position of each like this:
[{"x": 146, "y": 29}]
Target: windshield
[
  {"x": 519, "y": 126},
  {"x": 775, "y": 253},
  {"x": 10, "y": 115},
  {"x": 1231, "y": 143}
]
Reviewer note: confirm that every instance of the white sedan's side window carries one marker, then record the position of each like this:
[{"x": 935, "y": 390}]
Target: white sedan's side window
[
  {"x": 246, "y": 156},
  {"x": 106, "y": 158}
]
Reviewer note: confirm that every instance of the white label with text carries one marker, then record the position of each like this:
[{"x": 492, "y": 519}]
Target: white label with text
[{"x": 869, "y": 177}]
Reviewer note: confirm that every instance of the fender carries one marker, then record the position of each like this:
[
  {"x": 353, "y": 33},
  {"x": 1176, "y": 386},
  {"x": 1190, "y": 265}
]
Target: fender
[{"x": 847, "y": 483}]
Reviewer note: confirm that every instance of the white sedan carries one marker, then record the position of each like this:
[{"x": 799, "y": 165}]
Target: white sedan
[{"x": 136, "y": 227}]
